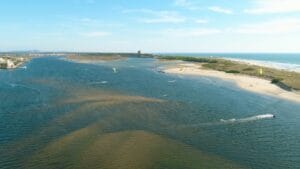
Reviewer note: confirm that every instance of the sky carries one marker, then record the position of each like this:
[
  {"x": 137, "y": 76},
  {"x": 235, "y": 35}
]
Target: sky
[{"x": 150, "y": 25}]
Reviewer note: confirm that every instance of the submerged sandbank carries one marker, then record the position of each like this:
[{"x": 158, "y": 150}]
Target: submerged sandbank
[
  {"x": 250, "y": 83},
  {"x": 109, "y": 129}
]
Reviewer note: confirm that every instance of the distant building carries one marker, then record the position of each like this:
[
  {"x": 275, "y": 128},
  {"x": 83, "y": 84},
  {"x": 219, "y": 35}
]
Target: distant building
[
  {"x": 2, "y": 61},
  {"x": 139, "y": 52},
  {"x": 10, "y": 64}
]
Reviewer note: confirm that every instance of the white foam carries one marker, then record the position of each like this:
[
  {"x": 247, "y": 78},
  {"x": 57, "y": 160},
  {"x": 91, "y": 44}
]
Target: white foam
[
  {"x": 271, "y": 64},
  {"x": 115, "y": 70},
  {"x": 23, "y": 67},
  {"x": 248, "y": 119},
  {"x": 231, "y": 121},
  {"x": 102, "y": 82}
]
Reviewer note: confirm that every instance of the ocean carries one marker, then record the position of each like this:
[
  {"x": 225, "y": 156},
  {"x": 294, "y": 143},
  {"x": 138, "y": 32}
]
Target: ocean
[
  {"x": 127, "y": 114},
  {"x": 286, "y": 61}
]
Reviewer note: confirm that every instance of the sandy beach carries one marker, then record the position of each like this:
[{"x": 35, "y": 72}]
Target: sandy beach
[{"x": 249, "y": 83}]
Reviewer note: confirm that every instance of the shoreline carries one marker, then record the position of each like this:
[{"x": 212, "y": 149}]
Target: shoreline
[
  {"x": 7, "y": 63},
  {"x": 270, "y": 64},
  {"x": 90, "y": 59},
  {"x": 246, "y": 82}
]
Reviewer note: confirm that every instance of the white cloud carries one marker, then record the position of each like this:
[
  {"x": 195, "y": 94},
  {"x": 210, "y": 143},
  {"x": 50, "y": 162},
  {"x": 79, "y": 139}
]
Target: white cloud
[
  {"x": 182, "y": 3},
  {"x": 191, "y": 32},
  {"x": 95, "y": 34},
  {"x": 186, "y": 4},
  {"x": 86, "y": 20},
  {"x": 164, "y": 17},
  {"x": 153, "y": 16},
  {"x": 277, "y": 26},
  {"x": 149, "y": 11},
  {"x": 220, "y": 10},
  {"x": 201, "y": 21},
  {"x": 274, "y": 6}
]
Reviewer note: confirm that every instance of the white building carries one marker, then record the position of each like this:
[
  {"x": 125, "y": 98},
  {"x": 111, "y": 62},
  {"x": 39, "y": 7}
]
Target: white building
[
  {"x": 2, "y": 60},
  {"x": 10, "y": 64}
]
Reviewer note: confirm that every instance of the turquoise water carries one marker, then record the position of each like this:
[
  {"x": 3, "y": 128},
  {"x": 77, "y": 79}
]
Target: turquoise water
[
  {"x": 289, "y": 58},
  {"x": 286, "y": 61},
  {"x": 191, "y": 113}
]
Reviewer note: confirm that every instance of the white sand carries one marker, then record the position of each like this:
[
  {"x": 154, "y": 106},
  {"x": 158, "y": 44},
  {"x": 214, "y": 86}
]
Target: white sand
[{"x": 249, "y": 83}]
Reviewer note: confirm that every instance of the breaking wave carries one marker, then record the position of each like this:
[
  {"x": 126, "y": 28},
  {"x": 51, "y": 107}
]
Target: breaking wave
[{"x": 271, "y": 64}]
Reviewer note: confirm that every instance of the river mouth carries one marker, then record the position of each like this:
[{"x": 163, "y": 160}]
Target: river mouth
[{"x": 68, "y": 115}]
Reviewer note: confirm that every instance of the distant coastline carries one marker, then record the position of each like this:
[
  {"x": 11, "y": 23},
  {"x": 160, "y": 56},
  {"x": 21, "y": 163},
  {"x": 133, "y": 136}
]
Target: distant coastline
[
  {"x": 247, "y": 74},
  {"x": 283, "y": 61},
  {"x": 102, "y": 57},
  {"x": 9, "y": 62},
  {"x": 270, "y": 64}
]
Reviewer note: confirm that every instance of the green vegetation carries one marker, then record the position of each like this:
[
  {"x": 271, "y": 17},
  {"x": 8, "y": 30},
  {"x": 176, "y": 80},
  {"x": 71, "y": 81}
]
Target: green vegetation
[
  {"x": 92, "y": 57},
  {"x": 3, "y": 66},
  {"x": 248, "y": 69},
  {"x": 88, "y": 57},
  {"x": 189, "y": 59},
  {"x": 276, "y": 81},
  {"x": 284, "y": 79},
  {"x": 95, "y": 55},
  {"x": 232, "y": 71}
]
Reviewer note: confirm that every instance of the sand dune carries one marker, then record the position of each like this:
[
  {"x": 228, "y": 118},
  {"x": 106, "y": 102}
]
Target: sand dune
[{"x": 249, "y": 83}]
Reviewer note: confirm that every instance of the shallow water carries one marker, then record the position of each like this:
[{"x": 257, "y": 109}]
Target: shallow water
[{"x": 54, "y": 113}]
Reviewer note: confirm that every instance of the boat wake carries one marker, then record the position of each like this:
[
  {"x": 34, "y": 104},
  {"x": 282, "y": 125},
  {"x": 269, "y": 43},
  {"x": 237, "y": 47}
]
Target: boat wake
[
  {"x": 23, "y": 67},
  {"x": 232, "y": 121},
  {"x": 15, "y": 85},
  {"x": 115, "y": 70},
  {"x": 249, "y": 119},
  {"x": 95, "y": 83}
]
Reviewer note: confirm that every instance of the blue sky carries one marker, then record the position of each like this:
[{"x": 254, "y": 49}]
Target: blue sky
[{"x": 151, "y": 26}]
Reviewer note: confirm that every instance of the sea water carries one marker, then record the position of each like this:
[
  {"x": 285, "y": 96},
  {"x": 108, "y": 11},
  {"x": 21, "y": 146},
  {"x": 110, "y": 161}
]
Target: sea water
[
  {"x": 36, "y": 110},
  {"x": 287, "y": 61}
]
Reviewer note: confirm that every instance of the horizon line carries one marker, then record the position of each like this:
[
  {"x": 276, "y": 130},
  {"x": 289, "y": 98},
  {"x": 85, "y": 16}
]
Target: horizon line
[{"x": 177, "y": 52}]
